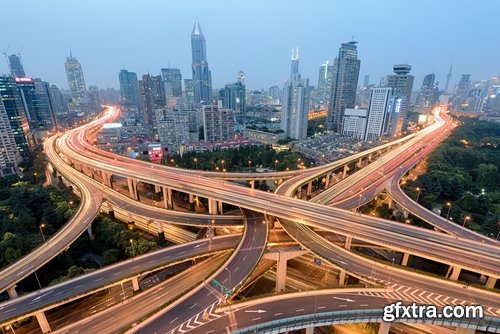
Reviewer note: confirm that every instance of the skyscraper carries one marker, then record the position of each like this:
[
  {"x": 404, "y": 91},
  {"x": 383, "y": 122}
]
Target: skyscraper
[
  {"x": 234, "y": 97},
  {"x": 202, "y": 78},
  {"x": 129, "y": 89},
  {"x": 94, "y": 100},
  {"x": 377, "y": 112},
  {"x": 324, "y": 83},
  {"x": 9, "y": 157},
  {"x": 344, "y": 84},
  {"x": 448, "y": 77},
  {"x": 428, "y": 94},
  {"x": 37, "y": 104},
  {"x": 218, "y": 124},
  {"x": 76, "y": 82},
  {"x": 60, "y": 108},
  {"x": 188, "y": 93},
  {"x": 172, "y": 80},
  {"x": 9, "y": 94},
  {"x": 295, "y": 104},
  {"x": 401, "y": 83},
  {"x": 152, "y": 95},
  {"x": 16, "y": 67},
  {"x": 173, "y": 128}
]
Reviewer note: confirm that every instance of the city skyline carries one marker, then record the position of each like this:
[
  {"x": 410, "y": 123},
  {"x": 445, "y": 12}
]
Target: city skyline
[{"x": 232, "y": 45}]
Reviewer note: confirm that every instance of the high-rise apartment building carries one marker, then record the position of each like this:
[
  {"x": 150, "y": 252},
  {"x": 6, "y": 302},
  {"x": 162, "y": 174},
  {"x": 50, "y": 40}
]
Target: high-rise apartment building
[
  {"x": 172, "y": 80},
  {"x": 9, "y": 156},
  {"x": 295, "y": 103},
  {"x": 218, "y": 123},
  {"x": 202, "y": 78},
  {"x": 94, "y": 100},
  {"x": 76, "y": 82},
  {"x": 16, "y": 67},
  {"x": 152, "y": 95},
  {"x": 129, "y": 89},
  {"x": 344, "y": 84},
  {"x": 324, "y": 84},
  {"x": 16, "y": 114},
  {"x": 173, "y": 128},
  {"x": 188, "y": 93},
  {"x": 401, "y": 83}
]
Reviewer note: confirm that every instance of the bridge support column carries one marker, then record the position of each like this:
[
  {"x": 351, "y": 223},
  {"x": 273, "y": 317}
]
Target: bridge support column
[
  {"x": 389, "y": 202},
  {"x": 220, "y": 207},
  {"x": 212, "y": 206},
  {"x": 106, "y": 179},
  {"x": 132, "y": 189},
  {"x": 89, "y": 231},
  {"x": 327, "y": 179},
  {"x": 461, "y": 330},
  {"x": 348, "y": 242},
  {"x": 404, "y": 260},
  {"x": 281, "y": 273},
  {"x": 157, "y": 188},
  {"x": 405, "y": 213},
  {"x": 135, "y": 283},
  {"x": 384, "y": 328},
  {"x": 111, "y": 211},
  {"x": 455, "y": 273},
  {"x": 342, "y": 277},
  {"x": 42, "y": 321},
  {"x": 252, "y": 184},
  {"x": 491, "y": 282},
  {"x": 12, "y": 292},
  {"x": 167, "y": 198},
  {"x": 161, "y": 234},
  {"x": 310, "y": 330},
  {"x": 344, "y": 171},
  {"x": 309, "y": 190}
]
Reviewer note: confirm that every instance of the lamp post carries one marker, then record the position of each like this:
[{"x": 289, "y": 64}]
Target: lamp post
[
  {"x": 448, "y": 204},
  {"x": 249, "y": 164},
  {"x": 418, "y": 195},
  {"x": 196, "y": 162},
  {"x": 321, "y": 160},
  {"x": 40, "y": 227},
  {"x": 276, "y": 165},
  {"x": 132, "y": 245},
  {"x": 466, "y": 218}
]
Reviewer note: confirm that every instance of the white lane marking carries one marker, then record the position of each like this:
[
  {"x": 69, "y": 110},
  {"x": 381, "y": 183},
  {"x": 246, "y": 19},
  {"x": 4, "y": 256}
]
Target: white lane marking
[
  {"x": 299, "y": 310},
  {"x": 276, "y": 314},
  {"x": 173, "y": 320}
]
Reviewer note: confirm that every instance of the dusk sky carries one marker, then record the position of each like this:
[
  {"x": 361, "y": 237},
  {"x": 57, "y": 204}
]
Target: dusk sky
[{"x": 253, "y": 36}]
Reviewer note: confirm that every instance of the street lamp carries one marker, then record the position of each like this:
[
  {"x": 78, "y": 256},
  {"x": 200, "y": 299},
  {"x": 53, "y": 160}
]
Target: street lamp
[
  {"x": 466, "y": 218},
  {"x": 448, "y": 204},
  {"x": 321, "y": 160},
  {"x": 223, "y": 164},
  {"x": 276, "y": 165},
  {"x": 196, "y": 162},
  {"x": 418, "y": 196},
  {"x": 40, "y": 227},
  {"x": 132, "y": 245},
  {"x": 249, "y": 163}
]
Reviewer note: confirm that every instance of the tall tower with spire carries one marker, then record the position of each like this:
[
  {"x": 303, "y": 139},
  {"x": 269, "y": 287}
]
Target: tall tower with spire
[
  {"x": 448, "y": 77},
  {"x": 202, "y": 78},
  {"x": 76, "y": 83},
  {"x": 295, "y": 102}
]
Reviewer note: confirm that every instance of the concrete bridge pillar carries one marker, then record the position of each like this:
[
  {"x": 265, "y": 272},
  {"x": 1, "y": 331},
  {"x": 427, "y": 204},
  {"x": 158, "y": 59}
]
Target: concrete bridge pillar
[
  {"x": 157, "y": 188},
  {"x": 404, "y": 261},
  {"x": 161, "y": 233},
  {"x": 344, "y": 171},
  {"x": 348, "y": 242},
  {"x": 384, "y": 328},
  {"x": 167, "y": 198},
  {"x": 327, "y": 179},
  {"x": 252, "y": 184},
  {"x": 106, "y": 179},
  {"x": 212, "y": 206},
  {"x": 281, "y": 273},
  {"x": 42, "y": 321},
  {"x": 342, "y": 277},
  {"x": 220, "y": 207},
  {"x": 405, "y": 213},
  {"x": 491, "y": 282},
  {"x": 309, "y": 190},
  {"x": 12, "y": 292},
  {"x": 111, "y": 211},
  {"x": 455, "y": 273},
  {"x": 310, "y": 330},
  {"x": 132, "y": 189},
  {"x": 89, "y": 231},
  {"x": 461, "y": 330},
  {"x": 135, "y": 283}
]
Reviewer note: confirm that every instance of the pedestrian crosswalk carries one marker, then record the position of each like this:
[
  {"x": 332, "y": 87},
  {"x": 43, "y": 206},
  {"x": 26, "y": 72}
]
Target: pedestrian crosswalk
[{"x": 404, "y": 293}]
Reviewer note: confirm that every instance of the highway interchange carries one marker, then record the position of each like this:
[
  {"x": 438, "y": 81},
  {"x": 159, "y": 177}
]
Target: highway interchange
[{"x": 297, "y": 217}]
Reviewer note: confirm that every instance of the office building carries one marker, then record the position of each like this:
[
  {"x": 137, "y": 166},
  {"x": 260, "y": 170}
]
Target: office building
[
  {"x": 234, "y": 96},
  {"x": 173, "y": 128},
  {"x": 129, "y": 89},
  {"x": 344, "y": 84},
  {"x": 354, "y": 123},
  {"x": 275, "y": 93},
  {"x": 152, "y": 95},
  {"x": 60, "y": 108},
  {"x": 9, "y": 156},
  {"x": 401, "y": 83},
  {"x": 16, "y": 67},
  {"x": 76, "y": 82},
  {"x": 428, "y": 94},
  {"x": 324, "y": 84},
  {"x": 16, "y": 114},
  {"x": 295, "y": 103},
  {"x": 188, "y": 93},
  {"x": 218, "y": 123},
  {"x": 94, "y": 100},
  {"x": 202, "y": 78},
  {"x": 172, "y": 81},
  {"x": 377, "y": 112}
]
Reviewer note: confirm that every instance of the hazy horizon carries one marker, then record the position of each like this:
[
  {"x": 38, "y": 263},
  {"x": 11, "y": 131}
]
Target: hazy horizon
[{"x": 255, "y": 37}]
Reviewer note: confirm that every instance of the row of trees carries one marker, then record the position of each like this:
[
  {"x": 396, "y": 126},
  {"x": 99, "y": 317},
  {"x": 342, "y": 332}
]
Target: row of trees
[{"x": 462, "y": 177}]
